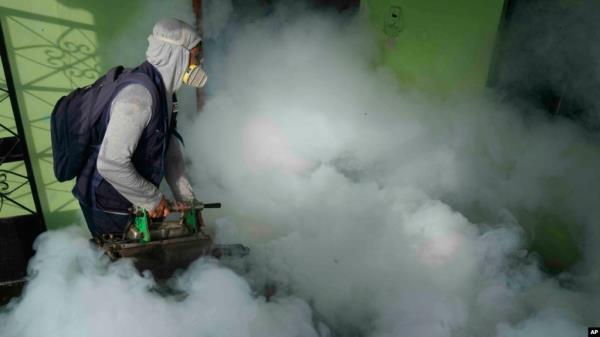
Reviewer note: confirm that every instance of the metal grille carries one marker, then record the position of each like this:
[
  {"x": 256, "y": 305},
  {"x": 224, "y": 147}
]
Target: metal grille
[
  {"x": 17, "y": 232},
  {"x": 13, "y": 148}
]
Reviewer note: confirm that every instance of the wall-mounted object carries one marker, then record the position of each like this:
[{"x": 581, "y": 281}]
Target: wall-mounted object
[{"x": 394, "y": 22}]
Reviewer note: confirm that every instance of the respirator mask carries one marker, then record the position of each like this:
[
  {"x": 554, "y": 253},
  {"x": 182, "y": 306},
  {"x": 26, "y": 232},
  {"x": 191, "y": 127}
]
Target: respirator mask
[{"x": 195, "y": 76}]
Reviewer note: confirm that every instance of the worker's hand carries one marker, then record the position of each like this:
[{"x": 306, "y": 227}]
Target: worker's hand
[
  {"x": 161, "y": 210},
  {"x": 179, "y": 206}
]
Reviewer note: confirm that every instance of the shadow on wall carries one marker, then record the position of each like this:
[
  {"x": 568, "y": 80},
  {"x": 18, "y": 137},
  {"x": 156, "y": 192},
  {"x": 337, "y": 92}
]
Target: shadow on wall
[
  {"x": 121, "y": 27},
  {"x": 57, "y": 46}
]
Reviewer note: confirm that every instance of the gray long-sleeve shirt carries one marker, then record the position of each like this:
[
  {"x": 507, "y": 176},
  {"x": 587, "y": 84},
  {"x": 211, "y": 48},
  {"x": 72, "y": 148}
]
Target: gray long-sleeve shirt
[{"x": 130, "y": 113}]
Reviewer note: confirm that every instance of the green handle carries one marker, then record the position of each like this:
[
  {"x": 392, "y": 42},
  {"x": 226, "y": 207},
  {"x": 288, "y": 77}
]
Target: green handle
[
  {"x": 141, "y": 223},
  {"x": 190, "y": 219}
]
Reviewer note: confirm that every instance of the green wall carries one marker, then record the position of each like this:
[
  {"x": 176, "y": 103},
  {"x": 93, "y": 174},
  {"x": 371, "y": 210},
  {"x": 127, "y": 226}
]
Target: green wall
[
  {"x": 55, "y": 46},
  {"x": 437, "y": 45}
]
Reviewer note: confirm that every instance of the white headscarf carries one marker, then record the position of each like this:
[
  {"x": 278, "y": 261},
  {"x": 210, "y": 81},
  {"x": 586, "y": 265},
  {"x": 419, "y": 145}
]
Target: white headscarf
[{"x": 169, "y": 50}]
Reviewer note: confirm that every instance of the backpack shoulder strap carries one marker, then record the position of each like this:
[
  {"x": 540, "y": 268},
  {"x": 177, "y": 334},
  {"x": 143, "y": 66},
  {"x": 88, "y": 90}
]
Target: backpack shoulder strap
[
  {"x": 147, "y": 82},
  {"x": 115, "y": 80},
  {"x": 114, "y": 73}
]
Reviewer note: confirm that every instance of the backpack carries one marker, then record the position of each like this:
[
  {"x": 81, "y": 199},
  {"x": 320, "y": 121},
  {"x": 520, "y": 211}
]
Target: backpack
[{"x": 74, "y": 118}]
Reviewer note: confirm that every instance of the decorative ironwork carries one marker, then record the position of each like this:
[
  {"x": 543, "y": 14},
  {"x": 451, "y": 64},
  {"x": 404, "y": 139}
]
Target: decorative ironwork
[
  {"x": 6, "y": 191},
  {"x": 14, "y": 148}
]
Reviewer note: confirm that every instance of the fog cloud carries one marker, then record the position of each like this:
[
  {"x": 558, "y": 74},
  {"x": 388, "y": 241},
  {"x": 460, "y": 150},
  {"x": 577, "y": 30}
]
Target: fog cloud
[{"x": 375, "y": 210}]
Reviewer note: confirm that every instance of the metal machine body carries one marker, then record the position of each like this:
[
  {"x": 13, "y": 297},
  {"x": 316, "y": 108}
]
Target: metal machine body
[{"x": 162, "y": 246}]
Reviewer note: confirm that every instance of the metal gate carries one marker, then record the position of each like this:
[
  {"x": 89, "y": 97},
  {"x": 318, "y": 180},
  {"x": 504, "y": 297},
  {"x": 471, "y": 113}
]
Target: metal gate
[{"x": 17, "y": 183}]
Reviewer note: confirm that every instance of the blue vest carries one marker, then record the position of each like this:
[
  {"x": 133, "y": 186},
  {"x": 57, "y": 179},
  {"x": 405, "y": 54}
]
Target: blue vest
[{"x": 91, "y": 189}]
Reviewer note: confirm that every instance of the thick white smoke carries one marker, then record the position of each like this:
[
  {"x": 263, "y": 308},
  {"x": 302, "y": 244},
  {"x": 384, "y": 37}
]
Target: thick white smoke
[
  {"x": 392, "y": 213},
  {"x": 75, "y": 291},
  {"x": 374, "y": 210}
]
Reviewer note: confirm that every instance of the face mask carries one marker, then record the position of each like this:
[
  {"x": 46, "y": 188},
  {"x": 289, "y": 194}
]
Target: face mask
[{"x": 195, "y": 76}]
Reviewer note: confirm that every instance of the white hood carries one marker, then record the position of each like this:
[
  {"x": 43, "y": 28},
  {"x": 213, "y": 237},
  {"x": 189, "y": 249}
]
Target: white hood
[{"x": 168, "y": 50}]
